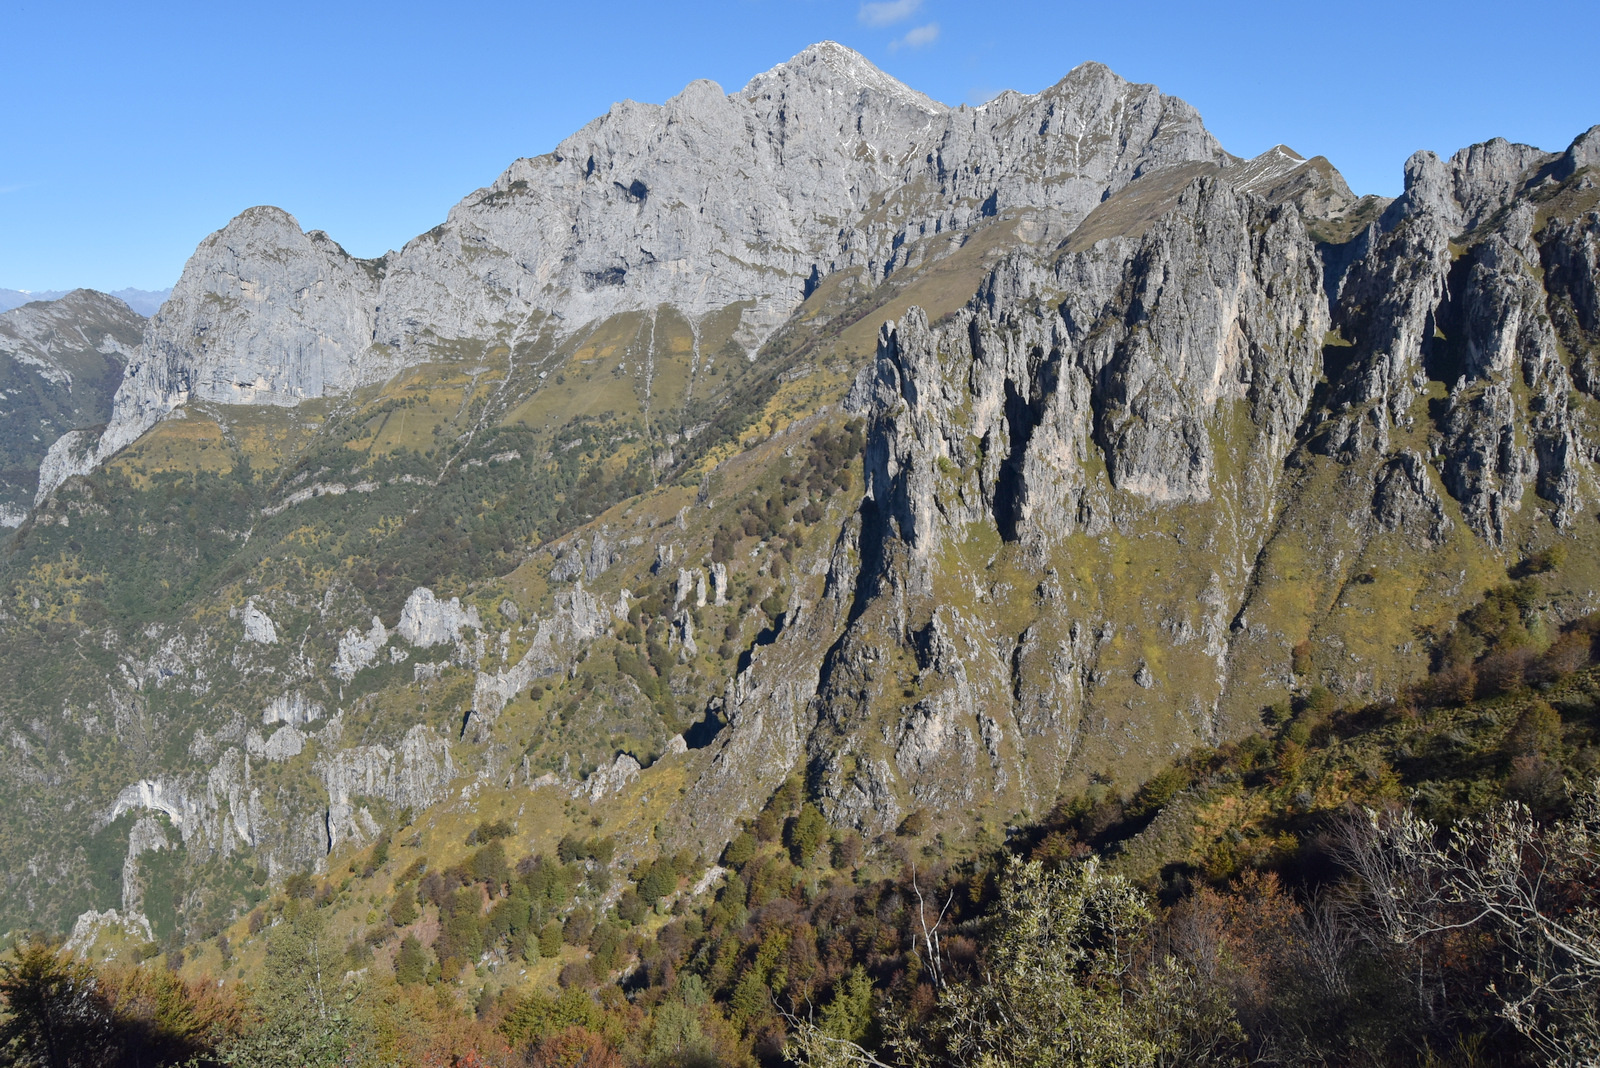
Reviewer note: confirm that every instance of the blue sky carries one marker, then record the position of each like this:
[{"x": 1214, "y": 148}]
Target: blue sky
[{"x": 132, "y": 130}]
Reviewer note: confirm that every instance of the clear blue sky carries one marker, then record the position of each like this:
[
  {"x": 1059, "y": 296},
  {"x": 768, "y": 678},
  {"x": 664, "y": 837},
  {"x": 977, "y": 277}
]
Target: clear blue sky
[{"x": 131, "y": 130}]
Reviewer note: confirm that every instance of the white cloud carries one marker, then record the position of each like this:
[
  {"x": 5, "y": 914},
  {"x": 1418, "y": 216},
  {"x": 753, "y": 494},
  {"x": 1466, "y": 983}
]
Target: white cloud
[
  {"x": 920, "y": 37},
  {"x": 11, "y": 188},
  {"x": 888, "y": 12}
]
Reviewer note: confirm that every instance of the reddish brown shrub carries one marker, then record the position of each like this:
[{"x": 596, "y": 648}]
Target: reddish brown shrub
[
  {"x": 575, "y": 1047},
  {"x": 1503, "y": 671}
]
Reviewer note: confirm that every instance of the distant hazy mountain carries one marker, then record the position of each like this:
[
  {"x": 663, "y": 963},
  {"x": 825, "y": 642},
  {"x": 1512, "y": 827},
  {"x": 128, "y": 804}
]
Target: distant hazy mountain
[
  {"x": 143, "y": 301},
  {"x": 16, "y": 298}
]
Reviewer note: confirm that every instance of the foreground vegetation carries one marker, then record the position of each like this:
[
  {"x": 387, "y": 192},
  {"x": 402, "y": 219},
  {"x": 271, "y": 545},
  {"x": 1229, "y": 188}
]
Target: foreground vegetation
[{"x": 1403, "y": 883}]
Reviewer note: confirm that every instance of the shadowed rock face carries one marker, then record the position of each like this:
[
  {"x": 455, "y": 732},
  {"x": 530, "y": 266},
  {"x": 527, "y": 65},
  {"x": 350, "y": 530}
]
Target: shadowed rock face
[
  {"x": 60, "y": 364},
  {"x": 1074, "y": 399}
]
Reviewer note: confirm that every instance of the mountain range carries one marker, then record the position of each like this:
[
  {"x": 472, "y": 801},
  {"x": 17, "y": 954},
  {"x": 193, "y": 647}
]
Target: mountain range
[
  {"x": 949, "y": 459},
  {"x": 143, "y": 301}
]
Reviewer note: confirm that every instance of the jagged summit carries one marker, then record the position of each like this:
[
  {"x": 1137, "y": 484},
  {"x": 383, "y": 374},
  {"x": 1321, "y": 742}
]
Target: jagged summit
[
  {"x": 833, "y": 66},
  {"x": 60, "y": 362},
  {"x": 1281, "y": 174},
  {"x": 821, "y": 165},
  {"x": 264, "y": 313}
]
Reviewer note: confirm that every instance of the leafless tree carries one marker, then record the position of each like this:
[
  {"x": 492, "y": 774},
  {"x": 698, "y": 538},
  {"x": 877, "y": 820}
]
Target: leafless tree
[{"x": 1533, "y": 888}]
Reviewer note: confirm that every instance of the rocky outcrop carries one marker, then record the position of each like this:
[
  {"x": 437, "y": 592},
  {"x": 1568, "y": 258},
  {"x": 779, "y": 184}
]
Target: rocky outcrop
[
  {"x": 1569, "y": 253},
  {"x": 70, "y": 454},
  {"x": 426, "y": 621},
  {"x": 609, "y": 780},
  {"x": 413, "y": 775},
  {"x": 294, "y": 709},
  {"x": 358, "y": 650},
  {"x": 577, "y": 619},
  {"x": 263, "y": 314},
  {"x": 1281, "y": 175},
  {"x": 285, "y": 743},
  {"x": 1136, "y": 381},
  {"x": 60, "y": 364},
  {"x": 1405, "y": 499},
  {"x": 1179, "y": 371},
  {"x": 1000, "y": 415},
  {"x": 1484, "y": 323},
  {"x": 258, "y": 626}
]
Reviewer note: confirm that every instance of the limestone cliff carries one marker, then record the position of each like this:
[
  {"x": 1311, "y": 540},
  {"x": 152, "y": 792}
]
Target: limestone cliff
[
  {"x": 1103, "y": 501},
  {"x": 60, "y": 364},
  {"x": 263, "y": 314},
  {"x": 707, "y": 202}
]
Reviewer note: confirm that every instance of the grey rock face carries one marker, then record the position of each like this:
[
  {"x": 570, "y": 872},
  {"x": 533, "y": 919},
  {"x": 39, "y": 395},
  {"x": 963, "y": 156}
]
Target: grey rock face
[
  {"x": 610, "y": 780},
  {"x": 1153, "y": 339},
  {"x": 414, "y": 774},
  {"x": 60, "y": 364},
  {"x": 1486, "y": 323},
  {"x": 1469, "y": 187},
  {"x": 263, "y": 314},
  {"x": 1170, "y": 374},
  {"x": 294, "y": 709},
  {"x": 821, "y": 164},
  {"x": 427, "y": 621},
  {"x": 1406, "y": 499},
  {"x": 70, "y": 454},
  {"x": 578, "y": 618},
  {"x": 258, "y": 626},
  {"x": 1570, "y": 256},
  {"x": 358, "y": 650},
  {"x": 285, "y": 743}
]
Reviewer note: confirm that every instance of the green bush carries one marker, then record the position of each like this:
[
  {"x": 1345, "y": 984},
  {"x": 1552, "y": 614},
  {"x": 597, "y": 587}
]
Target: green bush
[
  {"x": 550, "y": 939},
  {"x": 740, "y": 850},
  {"x": 808, "y": 831},
  {"x": 403, "y": 910},
  {"x": 411, "y": 962}
]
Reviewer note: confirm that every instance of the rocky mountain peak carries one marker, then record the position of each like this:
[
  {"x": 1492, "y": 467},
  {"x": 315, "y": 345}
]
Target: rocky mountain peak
[
  {"x": 1280, "y": 175},
  {"x": 832, "y": 67},
  {"x": 1260, "y": 172},
  {"x": 66, "y": 309},
  {"x": 264, "y": 313},
  {"x": 821, "y": 165},
  {"x": 1466, "y": 191},
  {"x": 60, "y": 363},
  {"x": 1583, "y": 152}
]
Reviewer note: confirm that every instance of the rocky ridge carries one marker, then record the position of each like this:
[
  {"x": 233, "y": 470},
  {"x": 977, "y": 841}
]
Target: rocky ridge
[
  {"x": 1169, "y": 454},
  {"x": 708, "y": 201},
  {"x": 60, "y": 364}
]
